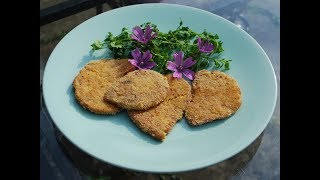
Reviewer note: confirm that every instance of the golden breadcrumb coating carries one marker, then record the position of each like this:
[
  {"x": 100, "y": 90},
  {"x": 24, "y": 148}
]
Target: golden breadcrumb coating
[
  {"x": 138, "y": 90},
  {"x": 93, "y": 80},
  {"x": 159, "y": 120},
  {"x": 216, "y": 95}
]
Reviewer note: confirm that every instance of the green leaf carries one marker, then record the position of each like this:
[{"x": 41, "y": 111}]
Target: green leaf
[
  {"x": 227, "y": 65},
  {"x": 165, "y": 44},
  {"x": 97, "y": 45},
  {"x": 115, "y": 45}
]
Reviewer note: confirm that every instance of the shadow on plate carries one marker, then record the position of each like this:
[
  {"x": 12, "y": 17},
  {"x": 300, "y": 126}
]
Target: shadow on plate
[
  {"x": 90, "y": 166},
  {"x": 120, "y": 119},
  {"x": 94, "y": 55}
]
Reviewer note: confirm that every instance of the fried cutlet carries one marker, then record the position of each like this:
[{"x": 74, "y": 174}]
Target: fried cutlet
[
  {"x": 216, "y": 95},
  {"x": 159, "y": 120},
  {"x": 93, "y": 80},
  {"x": 138, "y": 90}
]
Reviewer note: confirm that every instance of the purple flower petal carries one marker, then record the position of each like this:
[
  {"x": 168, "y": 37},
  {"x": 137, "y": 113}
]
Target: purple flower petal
[
  {"x": 188, "y": 73},
  {"x": 134, "y": 62},
  {"x": 199, "y": 42},
  {"x": 141, "y": 61},
  {"x": 175, "y": 56},
  {"x": 142, "y": 36},
  {"x": 138, "y": 32},
  {"x": 178, "y": 57},
  {"x": 205, "y": 47},
  {"x": 171, "y": 66},
  {"x": 146, "y": 56},
  {"x": 136, "y": 54},
  {"x": 138, "y": 35},
  {"x": 209, "y": 47},
  {"x": 188, "y": 62},
  {"x": 147, "y": 32},
  {"x": 148, "y": 65},
  {"x": 135, "y": 37},
  {"x": 142, "y": 40},
  {"x": 177, "y": 74},
  {"x": 181, "y": 69},
  {"x": 153, "y": 36}
]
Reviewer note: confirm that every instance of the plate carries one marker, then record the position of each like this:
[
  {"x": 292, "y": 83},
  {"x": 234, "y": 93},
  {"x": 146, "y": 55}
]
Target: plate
[{"x": 116, "y": 140}]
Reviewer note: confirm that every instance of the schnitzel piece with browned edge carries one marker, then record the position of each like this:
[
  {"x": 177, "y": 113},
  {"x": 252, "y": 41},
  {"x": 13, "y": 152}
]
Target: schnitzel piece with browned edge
[
  {"x": 159, "y": 120},
  {"x": 138, "y": 90},
  {"x": 93, "y": 81},
  {"x": 216, "y": 95}
]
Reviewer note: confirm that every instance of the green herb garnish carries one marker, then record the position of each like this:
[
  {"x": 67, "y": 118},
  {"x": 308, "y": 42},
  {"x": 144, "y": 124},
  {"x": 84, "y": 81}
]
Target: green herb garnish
[{"x": 205, "y": 48}]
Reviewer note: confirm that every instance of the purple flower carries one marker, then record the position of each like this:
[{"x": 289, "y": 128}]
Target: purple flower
[
  {"x": 141, "y": 36},
  {"x": 180, "y": 67},
  {"x": 205, "y": 47},
  {"x": 141, "y": 62}
]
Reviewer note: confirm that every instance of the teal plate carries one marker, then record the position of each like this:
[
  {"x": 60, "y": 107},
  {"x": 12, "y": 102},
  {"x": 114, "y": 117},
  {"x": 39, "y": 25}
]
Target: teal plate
[{"x": 116, "y": 140}]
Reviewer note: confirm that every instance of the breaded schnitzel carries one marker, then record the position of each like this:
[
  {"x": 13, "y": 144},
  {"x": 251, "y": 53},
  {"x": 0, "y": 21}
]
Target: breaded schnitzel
[
  {"x": 216, "y": 95},
  {"x": 93, "y": 80},
  {"x": 159, "y": 120},
  {"x": 138, "y": 90}
]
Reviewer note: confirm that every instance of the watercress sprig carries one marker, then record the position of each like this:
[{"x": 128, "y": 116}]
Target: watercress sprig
[{"x": 205, "y": 47}]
